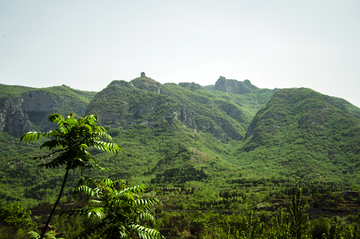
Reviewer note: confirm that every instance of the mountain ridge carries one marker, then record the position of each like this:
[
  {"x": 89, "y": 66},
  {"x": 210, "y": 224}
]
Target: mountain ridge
[{"x": 185, "y": 134}]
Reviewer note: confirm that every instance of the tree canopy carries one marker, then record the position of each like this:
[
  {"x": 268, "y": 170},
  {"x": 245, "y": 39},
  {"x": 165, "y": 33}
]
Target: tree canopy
[
  {"x": 114, "y": 210},
  {"x": 69, "y": 143}
]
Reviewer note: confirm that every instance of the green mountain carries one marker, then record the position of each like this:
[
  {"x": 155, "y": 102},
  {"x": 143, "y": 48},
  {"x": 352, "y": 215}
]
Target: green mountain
[
  {"x": 24, "y": 109},
  {"x": 145, "y": 101},
  {"x": 306, "y": 135},
  {"x": 226, "y": 135}
]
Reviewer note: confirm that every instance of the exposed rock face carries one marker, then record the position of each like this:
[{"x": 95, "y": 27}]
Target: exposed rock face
[
  {"x": 12, "y": 119},
  {"x": 148, "y": 84},
  {"x": 234, "y": 86},
  {"x": 184, "y": 115},
  {"x": 35, "y": 106},
  {"x": 38, "y": 105},
  {"x": 233, "y": 111},
  {"x": 191, "y": 86},
  {"x": 143, "y": 100},
  {"x": 37, "y": 101},
  {"x": 211, "y": 127}
]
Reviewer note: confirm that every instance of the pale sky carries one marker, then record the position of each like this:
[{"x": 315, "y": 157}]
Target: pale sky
[{"x": 86, "y": 44}]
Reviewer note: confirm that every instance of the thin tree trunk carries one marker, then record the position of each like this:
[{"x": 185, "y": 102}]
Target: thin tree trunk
[{"x": 56, "y": 203}]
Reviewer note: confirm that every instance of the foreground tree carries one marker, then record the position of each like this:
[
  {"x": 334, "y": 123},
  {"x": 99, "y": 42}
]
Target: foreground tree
[
  {"x": 115, "y": 211},
  {"x": 68, "y": 146}
]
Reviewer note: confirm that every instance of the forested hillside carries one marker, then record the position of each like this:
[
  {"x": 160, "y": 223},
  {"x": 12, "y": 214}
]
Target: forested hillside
[
  {"x": 186, "y": 134},
  {"x": 305, "y": 135},
  {"x": 230, "y": 146}
]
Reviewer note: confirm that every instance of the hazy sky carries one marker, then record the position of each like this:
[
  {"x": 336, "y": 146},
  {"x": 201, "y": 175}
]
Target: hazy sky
[{"x": 275, "y": 44}]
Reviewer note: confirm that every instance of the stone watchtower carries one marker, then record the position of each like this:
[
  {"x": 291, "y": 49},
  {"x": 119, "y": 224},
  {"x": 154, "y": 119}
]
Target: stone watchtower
[{"x": 142, "y": 74}]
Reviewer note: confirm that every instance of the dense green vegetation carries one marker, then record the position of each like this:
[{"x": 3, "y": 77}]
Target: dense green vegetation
[
  {"x": 210, "y": 157},
  {"x": 13, "y": 90},
  {"x": 56, "y": 91},
  {"x": 284, "y": 143},
  {"x": 353, "y": 109},
  {"x": 281, "y": 212},
  {"x": 304, "y": 135},
  {"x": 69, "y": 144}
]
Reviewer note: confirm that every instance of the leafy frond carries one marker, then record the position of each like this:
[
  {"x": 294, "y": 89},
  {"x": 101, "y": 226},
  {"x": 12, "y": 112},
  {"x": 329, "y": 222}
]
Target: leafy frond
[
  {"x": 146, "y": 216},
  {"x": 97, "y": 212},
  {"x": 69, "y": 143},
  {"x": 85, "y": 190},
  {"x": 95, "y": 201},
  {"x": 124, "y": 197},
  {"x": 56, "y": 117},
  {"x": 120, "y": 183},
  {"x": 146, "y": 201},
  {"x": 117, "y": 209},
  {"x": 70, "y": 122},
  {"x": 33, "y": 235},
  {"x": 91, "y": 119},
  {"x": 135, "y": 189},
  {"x": 108, "y": 147},
  {"x": 145, "y": 232},
  {"x": 103, "y": 134},
  {"x": 52, "y": 144},
  {"x": 31, "y": 137}
]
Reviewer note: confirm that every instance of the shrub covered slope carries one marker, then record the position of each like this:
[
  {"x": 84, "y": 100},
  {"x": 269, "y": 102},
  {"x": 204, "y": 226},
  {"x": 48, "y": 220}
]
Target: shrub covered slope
[{"x": 187, "y": 135}]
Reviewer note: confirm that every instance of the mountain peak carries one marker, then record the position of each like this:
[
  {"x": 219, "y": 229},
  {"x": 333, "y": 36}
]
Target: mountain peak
[{"x": 234, "y": 86}]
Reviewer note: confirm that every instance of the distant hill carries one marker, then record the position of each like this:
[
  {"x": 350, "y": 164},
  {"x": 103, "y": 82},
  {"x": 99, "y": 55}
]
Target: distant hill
[
  {"x": 302, "y": 133},
  {"x": 24, "y": 108},
  {"x": 186, "y": 134},
  {"x": 145, "y": 101}
]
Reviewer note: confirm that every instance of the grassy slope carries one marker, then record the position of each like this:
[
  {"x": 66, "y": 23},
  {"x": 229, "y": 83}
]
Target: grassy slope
[
  {"x": 178, "y": 156},
  {"x": 65, "y": 91},
  {"x": 145, "y": 159},
  {"x": 213, "y": 106},
  {"x": 304, "y": 135},
  {"x": 147, "y": 156},
  {"x": 15, "y": 91}
]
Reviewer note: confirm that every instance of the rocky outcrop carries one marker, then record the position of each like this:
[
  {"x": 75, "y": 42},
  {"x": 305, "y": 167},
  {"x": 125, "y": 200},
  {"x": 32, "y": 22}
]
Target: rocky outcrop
[
  {"x": 148, "y": 84},
  {"x": 184, "y": 115},
  {"x": 234, "y": 86},
  {"x": 31, "y": 109},
  {"x": 219, "y": 127},
  {"x": 37, "y": 101},
  {"x": 141, "y": 101},
  {"x": 191, "y": 86},
  {"x": 207, "y": 125},
  {"x": 12, "y": 118},
  {"x": 230, "y": 129},
  {"x": 233, "y": 111}
]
